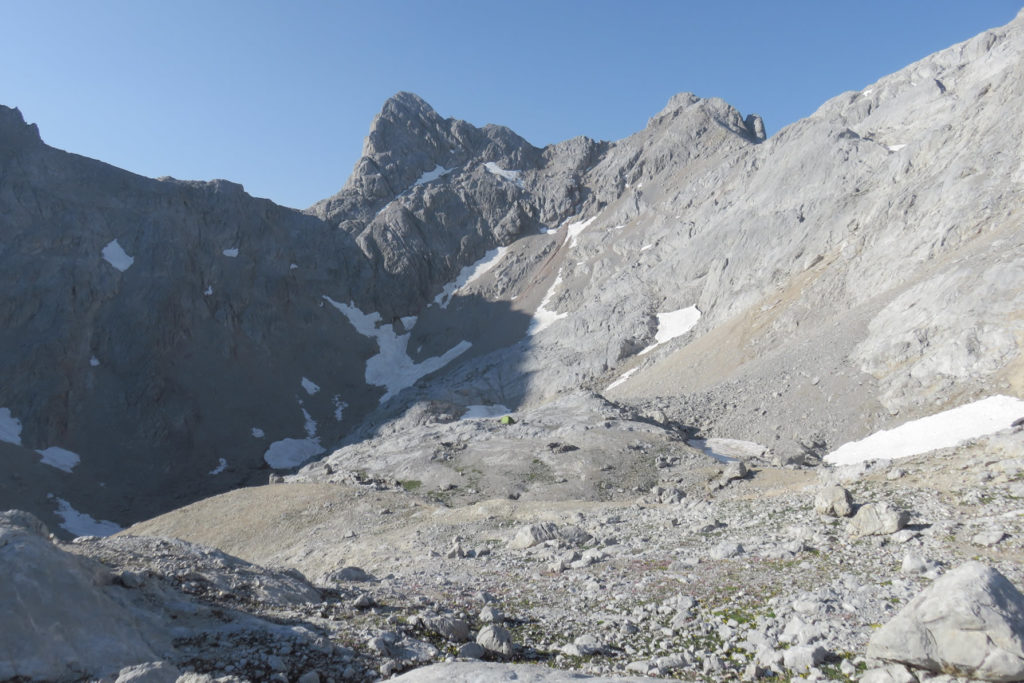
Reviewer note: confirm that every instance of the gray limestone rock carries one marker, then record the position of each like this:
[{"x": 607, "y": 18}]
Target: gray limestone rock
[
  {"x": 61, "y": 616},
  {"x": 970, "y": 622},
  {"x": 532, "y": 534},
  {"x": 450, "y": 628},
  {"x": 877, "y": 519},
  {"x": 495, "y": 639},
  {"x": 833, "y": 501},
  {"x": 150, "y": 672}
]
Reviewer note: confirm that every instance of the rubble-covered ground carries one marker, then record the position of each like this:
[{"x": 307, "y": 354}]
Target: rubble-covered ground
[{"x": 730, "y": 575}]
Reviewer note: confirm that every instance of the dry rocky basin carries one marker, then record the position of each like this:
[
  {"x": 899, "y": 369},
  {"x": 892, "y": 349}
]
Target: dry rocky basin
[{"x": 731, "y": 575}]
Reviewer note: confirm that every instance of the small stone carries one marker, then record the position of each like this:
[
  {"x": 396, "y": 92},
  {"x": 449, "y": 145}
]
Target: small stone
[
  {"x": 533, "y": 534},
  {"x": 877, "y": 519},
  {"x": 725, "y": 550},
  {"x": 363, "y": 601},
  {"x": 833, "y": 501},
  {"x": 450, "y": 628},
  {"x": 310, "y": 677},
  {"x": 988, "y": 538},
  {"x": 803, "y": 657},
  {"x": 495, "y": 639},
  {"x": 150, "y": 672},
  {"x": 913, "y": 564},
  {"x": 471, "y": 651},
  {"x": 490, "y": 614},
  {"x": 894, "y": 673},
  {"x": 350, "y": 574}
]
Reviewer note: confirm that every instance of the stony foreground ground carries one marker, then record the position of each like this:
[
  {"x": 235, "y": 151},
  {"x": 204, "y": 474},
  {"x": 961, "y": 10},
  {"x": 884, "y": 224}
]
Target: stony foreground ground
[{"x": 718, "y": 579}]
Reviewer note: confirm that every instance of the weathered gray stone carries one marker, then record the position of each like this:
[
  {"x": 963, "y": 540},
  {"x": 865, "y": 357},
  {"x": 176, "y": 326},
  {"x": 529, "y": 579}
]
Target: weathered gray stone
[
  {"x": 60, "y": 617},
  {"x": 894, "y": 673},
  {"x": 833, "y": 501},
  {"x": 494, "y": 638},
  {"x": 532, "y": 534},
  {"x": 877, "y": 519},
  {"x": 450, "y": 628},
  {"x": 471, "y": 650},
  {"x": 150, "y": 672},
  {"x": 970, "y": 622}
]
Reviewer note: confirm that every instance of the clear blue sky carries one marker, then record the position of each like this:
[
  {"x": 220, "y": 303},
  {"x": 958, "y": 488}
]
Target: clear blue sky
[{"x": 278, "y": 95}]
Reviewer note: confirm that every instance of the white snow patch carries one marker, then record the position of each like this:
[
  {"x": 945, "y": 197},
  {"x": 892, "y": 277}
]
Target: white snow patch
[
  {"x": 288, "y": 453},
  {"x": 94, "y": 362},
  {"x": 339, "y": 407},
  {"x": 544, "y": 317},
  {"x": 867, "y": 92},
  {"x": 468, "y": 275},
  {"x": 258, "y": 433},
  {"x": 310, "y": 424},
  {"x": 622, "y": 378},
  {"x": 222, "y": 465},
  {"x": 61, "y": 458},
  {"x": 392, "y": 368},
  {"x": 574, "y": 230},
  {"x": 310, "y": 386},
  {"x": 942, "y": 430},
  {"x": 10, "y": 427},
  {"x": 896, "y": 148},
  {"x": 208, "y": 291},
  {"x": 728, "y": 450},
  {"x": 436, "y": 173},
  {"x": 617, "y": 227},
  {"x": 478, "y": 412},
  {"x": 81, "y": 524},
  {"x": 231, "y": 253},
  {"x": 674, "y": 324},
  {"x": 511, "y": 176},
  {"x": 293, "y": 266},
  {"x": 115, "y": 255},
  {"x": 646, "y": 247},
  {"x": 408, "y": 322}
]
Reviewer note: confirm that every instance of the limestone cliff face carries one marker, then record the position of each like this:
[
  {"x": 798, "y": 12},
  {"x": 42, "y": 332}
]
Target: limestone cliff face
[{"x": 150, "y": 325}]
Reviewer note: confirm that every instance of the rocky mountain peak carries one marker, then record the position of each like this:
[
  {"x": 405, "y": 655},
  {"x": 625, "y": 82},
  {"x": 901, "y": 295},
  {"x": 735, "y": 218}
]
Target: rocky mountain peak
[
  {"x": 14, "y": 130},
  {"x": 691, "y": 108}
]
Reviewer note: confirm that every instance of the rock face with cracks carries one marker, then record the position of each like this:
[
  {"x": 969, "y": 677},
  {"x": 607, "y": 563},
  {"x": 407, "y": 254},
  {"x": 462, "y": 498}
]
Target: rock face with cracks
[{"x": 968, "y": 623}]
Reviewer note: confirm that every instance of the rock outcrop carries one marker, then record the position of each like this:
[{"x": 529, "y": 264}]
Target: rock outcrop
[{"x": 968, "y": 623}]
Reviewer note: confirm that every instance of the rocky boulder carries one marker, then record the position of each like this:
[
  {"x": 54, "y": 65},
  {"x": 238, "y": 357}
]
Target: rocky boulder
[
  {"x": 61, "y": 618},
  {"x": 968, "y": 623},
  {"x": 833, "y": 501},
  {"x": 877, "y": 519}
]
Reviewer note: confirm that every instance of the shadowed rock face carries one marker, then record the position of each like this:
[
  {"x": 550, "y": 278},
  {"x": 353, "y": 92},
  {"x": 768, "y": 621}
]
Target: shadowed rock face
[{"x": 861, "y": 264}]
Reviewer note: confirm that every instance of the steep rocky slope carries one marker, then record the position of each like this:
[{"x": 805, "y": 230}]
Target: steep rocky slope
[{"x": 860, "y": 267}]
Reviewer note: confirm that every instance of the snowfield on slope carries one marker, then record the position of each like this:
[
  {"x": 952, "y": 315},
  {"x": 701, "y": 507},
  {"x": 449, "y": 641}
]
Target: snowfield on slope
[
  {"x": 115, "y": 255},
  {"x": 10, "y": 427},
  {"x": 674, "y": 324},
  {"x": 392, "y": 368},
  {"x": 61, "y": 458},
  {"x": 81, "y": 524},
  {"x": 941, "y": 430},
  {"x": 468, "y": 275}
]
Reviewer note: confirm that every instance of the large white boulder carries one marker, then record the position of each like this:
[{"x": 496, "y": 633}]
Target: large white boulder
[
  {"x": 968, "y": 623},
  {"x": 61, "y": 619}
]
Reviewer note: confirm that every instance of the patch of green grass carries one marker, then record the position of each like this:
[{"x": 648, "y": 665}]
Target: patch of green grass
[{"x": 411, "y": 484}]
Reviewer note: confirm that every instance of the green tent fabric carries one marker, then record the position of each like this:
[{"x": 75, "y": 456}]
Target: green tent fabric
[{"x": 507, "y": 420}]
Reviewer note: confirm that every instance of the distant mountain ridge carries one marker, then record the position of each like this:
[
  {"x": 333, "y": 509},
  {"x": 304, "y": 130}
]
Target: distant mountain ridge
[{"x": 860, "y": 266}]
